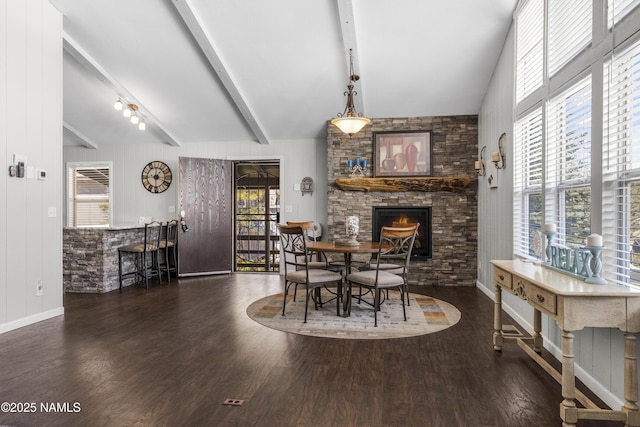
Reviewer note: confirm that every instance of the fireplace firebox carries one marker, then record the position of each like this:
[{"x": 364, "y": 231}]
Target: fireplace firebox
[{"x": 389, "y": 216}]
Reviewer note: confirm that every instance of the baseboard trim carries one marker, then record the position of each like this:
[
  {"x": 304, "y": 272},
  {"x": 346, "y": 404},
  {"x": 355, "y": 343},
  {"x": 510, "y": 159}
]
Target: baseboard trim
[
  {"x": 613, "y": 401},
  {"x": 29, "y": 320}
]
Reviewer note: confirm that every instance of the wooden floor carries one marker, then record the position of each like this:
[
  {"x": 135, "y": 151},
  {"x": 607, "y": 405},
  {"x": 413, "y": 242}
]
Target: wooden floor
[{"x": 171, "y": 355}]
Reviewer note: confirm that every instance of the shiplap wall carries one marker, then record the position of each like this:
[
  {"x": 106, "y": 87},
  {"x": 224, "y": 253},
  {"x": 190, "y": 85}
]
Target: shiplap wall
[
  {"x": 598, "y": 352},
  {"x": 30, "y": 125},
  {"x": 298, "y": 159}
]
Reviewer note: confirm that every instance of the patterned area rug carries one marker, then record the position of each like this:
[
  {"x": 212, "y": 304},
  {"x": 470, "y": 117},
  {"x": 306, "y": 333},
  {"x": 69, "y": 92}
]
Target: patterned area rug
[{"x": 424, "y": 316}]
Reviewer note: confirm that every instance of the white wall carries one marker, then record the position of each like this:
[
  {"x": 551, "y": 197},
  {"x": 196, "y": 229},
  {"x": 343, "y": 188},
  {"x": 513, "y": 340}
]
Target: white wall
[
  {"x": 598, "y": 352},
  {"x": 298, "y": 159},
  {"x": 30, "y": 125}
]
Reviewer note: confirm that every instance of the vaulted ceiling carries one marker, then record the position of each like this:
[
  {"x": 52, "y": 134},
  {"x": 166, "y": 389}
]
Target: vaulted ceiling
[{"x": 220, "y": 71}]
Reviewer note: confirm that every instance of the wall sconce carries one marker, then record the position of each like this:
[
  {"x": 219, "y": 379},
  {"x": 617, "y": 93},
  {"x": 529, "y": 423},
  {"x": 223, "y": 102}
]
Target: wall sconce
[
  {"x": 357, "y": 167},
  {"x": 480, "y": 167},
  {"x": 498, "y": 156},
  {"x": 306, "y": 186}
]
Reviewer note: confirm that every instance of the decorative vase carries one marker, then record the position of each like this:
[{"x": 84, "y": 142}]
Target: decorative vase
[
  {"x": 388, "y": 163},
  {"x": 411, "y": 153},
  {"x": 401, "y": 161},
  {"x": 353, "y": 228}
]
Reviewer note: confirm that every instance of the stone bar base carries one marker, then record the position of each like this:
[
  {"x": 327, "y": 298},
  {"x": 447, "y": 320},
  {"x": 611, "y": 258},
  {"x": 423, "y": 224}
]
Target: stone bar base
[{"x": 90, "y": 257}]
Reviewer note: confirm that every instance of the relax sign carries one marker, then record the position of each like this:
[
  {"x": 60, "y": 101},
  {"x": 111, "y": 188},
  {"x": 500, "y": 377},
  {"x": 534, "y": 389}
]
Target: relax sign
[{"x": 574, "y": 261}]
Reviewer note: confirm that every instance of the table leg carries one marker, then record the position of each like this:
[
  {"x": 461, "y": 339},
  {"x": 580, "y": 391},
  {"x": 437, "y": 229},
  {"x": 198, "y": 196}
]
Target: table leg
[
  {"x": 346, "y": 302},
  {"x": 339, "y": 295},
  {"x": 497, "y": 319},
  {"x": 537, "y": 327},
  {"x": 631, "y": 380},
  {"x": 568, "y": 410}
]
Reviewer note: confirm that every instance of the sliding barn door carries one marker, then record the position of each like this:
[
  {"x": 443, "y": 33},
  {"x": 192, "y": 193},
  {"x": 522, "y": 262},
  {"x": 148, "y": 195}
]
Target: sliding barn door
[{"x": 205, "y": 195}]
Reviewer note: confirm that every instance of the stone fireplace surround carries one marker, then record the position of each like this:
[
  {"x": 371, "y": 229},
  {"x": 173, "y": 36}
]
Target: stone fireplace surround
[{"x": 454, "y": 141}]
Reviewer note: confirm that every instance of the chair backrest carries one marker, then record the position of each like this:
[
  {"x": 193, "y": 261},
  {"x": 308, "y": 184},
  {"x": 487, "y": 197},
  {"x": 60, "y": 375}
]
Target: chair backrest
[
  {"x": 294, "y": 247},
  {"x": 397, "y": 243},
  {"x": 152, "y": 233},
  {"x": 307, "y": 228},
  {"x": 171, "y": 232}
]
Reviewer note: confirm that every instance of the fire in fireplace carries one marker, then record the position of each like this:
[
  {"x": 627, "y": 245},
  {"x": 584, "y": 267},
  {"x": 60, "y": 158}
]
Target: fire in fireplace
[{"x": 390, "y": 216}]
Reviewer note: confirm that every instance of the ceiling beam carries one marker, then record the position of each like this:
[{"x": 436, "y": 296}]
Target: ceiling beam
[
  {"x": 73, "y": 49},
  {"x": 84, "y": 140},
  {"x": 348, "y": 29},
  {"x": 207, "y": 47}
]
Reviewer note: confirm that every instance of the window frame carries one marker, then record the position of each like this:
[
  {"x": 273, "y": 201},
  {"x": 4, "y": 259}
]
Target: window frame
[{"x": 71, "y": 196}]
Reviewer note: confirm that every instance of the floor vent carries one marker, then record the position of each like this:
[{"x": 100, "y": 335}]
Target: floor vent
[{"x": 233, "y": 402}]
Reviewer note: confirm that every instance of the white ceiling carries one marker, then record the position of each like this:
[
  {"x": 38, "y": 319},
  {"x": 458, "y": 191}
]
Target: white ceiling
[{"x": 264, "y": 70}]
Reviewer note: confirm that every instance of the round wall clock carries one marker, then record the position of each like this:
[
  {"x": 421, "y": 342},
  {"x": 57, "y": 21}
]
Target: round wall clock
[{"x": 156, "y": 177}]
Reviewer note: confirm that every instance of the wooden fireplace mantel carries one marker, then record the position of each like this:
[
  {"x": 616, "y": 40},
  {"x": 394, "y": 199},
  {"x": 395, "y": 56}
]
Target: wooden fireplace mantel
[{"x": 426, "y": 184}]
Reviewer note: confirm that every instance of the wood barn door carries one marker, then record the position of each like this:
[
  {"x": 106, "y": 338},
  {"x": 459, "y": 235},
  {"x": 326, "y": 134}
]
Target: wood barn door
[{"x": 205, "y": 196}]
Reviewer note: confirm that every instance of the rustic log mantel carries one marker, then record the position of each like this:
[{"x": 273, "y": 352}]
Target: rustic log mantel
[{"x": 453, "y": 184}]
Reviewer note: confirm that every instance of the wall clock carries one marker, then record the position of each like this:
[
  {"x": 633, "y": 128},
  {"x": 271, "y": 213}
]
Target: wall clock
[{"x": 156, "y": 177}]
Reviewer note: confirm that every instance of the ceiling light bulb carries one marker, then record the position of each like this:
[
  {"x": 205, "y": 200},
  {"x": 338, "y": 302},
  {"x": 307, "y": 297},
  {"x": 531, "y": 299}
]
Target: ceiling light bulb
[
  {"x": 142, "y": 125},
  {"x": 126, "y": 112},
  {"x": 135, "y": 119},
  {"x": 118, "y": 105}
]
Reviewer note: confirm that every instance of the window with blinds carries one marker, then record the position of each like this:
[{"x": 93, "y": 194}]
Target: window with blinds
[
  {"x": 621, "y": 166},
  {"x": 618, "y": 9},
  {"x": 569, "y": 31},
  {"x": 529, "y": 48},
  {"x": 89, "y": 196},
  {"x": 527, "y": 176},
  {"x": 568, "y": 163}
]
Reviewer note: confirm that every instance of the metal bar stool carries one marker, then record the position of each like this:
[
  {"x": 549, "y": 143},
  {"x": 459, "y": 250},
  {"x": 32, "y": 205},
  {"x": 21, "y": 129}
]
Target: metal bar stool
[
  {"x": 145, "y": 255},
  {"x": 168, "y": 247}
]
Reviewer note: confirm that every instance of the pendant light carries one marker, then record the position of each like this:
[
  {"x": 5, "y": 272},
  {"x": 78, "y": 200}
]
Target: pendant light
[{"x": 350, "y": 121}]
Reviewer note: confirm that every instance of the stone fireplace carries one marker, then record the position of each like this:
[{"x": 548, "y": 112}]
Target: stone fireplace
[
  {"x": 393, "y": 216},
  {"x": 454, "y": 215}
]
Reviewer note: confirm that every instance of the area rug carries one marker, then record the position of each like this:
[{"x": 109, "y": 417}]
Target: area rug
[{"x": 425, "y": 315}]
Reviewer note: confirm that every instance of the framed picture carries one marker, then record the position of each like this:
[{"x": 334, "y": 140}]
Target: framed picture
[{"x": 402, "y": 154}]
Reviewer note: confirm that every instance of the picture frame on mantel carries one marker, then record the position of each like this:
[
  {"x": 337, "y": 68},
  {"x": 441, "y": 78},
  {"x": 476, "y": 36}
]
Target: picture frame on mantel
[{"x": 402, "y": 154}]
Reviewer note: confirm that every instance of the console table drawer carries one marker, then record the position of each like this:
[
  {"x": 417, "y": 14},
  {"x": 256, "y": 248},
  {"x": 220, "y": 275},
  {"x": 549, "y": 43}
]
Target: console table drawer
[
  {"x": 541, "y": 297},
  {"x": 502, "y": 278}
]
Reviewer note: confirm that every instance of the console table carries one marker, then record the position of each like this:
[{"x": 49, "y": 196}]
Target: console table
[{"x": 574, "y": 305}]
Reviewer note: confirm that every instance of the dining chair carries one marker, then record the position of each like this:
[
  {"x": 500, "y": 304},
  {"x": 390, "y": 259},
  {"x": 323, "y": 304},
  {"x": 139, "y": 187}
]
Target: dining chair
[
  {"x": 321, "y": 260},
  {"x": 145, "y": 255},
  {"x": 393, "y": 264},
  {"x": 297, "y": 270},
  {"x": 168, "y": 247},
  {"x": 395, "y": 243}
]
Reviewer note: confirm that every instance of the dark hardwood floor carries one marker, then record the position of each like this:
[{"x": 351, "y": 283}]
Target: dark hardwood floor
[{"x": 170, "y": 356}]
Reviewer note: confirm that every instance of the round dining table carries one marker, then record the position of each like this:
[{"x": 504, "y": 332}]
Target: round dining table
[{"x": 347, "y": 249}]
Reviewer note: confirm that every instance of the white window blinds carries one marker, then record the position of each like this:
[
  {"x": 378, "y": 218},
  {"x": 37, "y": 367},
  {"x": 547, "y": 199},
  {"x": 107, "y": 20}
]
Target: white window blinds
[
  {"x": 569, "y": 31},
  {"x": 89, "y": 197},
  {"x": 529, "y": 48},
  {"x": 527, "y": 175},
  {"x": 621, "y": 166},
  {"x": 618, "y": 9},
  {"x": 568, "y": 163}
]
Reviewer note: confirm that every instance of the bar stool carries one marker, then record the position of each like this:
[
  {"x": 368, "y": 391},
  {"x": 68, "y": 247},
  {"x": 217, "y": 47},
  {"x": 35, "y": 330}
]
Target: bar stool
[
  {"x": 145, "y": 255},
  {"x": 168, "y": 247}
]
